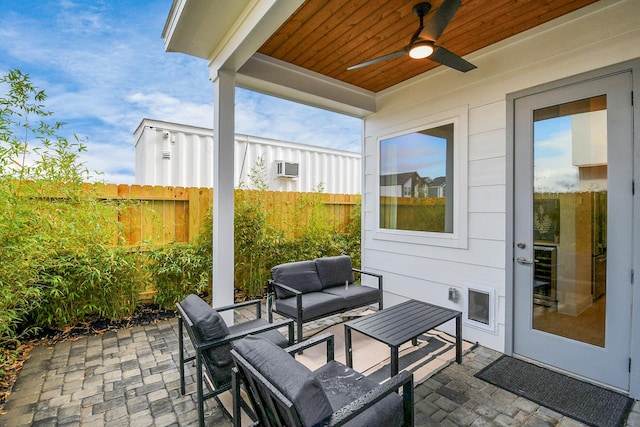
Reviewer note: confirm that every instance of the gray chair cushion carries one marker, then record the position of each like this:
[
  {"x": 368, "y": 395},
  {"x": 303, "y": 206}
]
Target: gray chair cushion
[
  {"x": 206, "y": 321},
  {"x": 300, "y": 275},
  {"x": 343, "y": 385},
  {"x": 294, "y": 380},
  {"x": 356, "y": 295},
  {"x": 335, "y": 270},
  {"x": 210, "y": 326},
  {"x": 272, "y": 335},
  {"x": 314, "y": 304}
]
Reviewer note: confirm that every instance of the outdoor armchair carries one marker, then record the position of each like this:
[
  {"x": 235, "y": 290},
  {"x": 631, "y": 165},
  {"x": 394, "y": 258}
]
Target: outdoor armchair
[
  {"x": 212, "y": 341},
  {"x": 283, "y": 392}
]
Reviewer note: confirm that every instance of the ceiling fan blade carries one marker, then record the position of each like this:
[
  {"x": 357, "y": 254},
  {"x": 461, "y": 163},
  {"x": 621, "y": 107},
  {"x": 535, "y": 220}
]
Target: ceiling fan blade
[
  {"x": 450, "y": 59},
  {"x": 439, "y": 21},
  {"x": 379, "y": 59}
]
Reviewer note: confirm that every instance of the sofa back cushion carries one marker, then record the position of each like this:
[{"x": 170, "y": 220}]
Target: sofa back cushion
[
  {"x": 294, "y": 380},
  {"x": 334, "y": 270},
  {"x": 301, "y": 276}
]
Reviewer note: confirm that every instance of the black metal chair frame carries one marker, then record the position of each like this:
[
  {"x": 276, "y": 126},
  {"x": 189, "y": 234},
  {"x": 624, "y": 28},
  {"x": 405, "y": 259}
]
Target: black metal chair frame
[
  {"x": 203, "y": 372},
  {"x": 272, "y": 400}
]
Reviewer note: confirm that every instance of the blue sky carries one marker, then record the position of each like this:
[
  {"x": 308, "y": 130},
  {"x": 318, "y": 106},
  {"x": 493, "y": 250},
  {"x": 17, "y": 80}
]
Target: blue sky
[
  {"x": 104, "y": 69},
  {"x": 553, "y": 166},
  {"x": 414, "y": 152}
]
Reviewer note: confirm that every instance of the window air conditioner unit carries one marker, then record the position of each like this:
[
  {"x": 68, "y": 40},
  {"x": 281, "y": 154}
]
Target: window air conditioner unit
[{"x": 286, "y": 169}]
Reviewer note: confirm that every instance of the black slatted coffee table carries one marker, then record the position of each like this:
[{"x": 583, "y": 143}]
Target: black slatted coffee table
[{"x": 402, "y": 323}]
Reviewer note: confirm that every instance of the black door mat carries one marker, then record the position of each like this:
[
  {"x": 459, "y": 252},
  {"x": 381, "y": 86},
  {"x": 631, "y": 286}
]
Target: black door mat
[{"x": 576, "y": 399}]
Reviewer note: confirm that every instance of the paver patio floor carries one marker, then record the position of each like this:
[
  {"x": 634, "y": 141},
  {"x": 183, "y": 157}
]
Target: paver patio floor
[{"x": 130, "y": 378}]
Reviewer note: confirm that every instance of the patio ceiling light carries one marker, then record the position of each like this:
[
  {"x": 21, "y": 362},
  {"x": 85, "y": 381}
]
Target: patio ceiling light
[{"x": 421, "y": 49}]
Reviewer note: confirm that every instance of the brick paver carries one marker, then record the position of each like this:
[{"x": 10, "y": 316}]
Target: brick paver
[{"x": 130, "y": 378}]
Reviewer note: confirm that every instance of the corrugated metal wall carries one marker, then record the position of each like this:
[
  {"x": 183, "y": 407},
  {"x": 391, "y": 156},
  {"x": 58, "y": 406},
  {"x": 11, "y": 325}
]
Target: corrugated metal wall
[{"x": 170, "y": 154}]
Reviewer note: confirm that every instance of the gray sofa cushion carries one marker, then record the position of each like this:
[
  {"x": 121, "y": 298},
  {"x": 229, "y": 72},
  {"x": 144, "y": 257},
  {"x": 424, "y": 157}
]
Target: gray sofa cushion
[
  {"x": 356, "y": 295},
  {"x": 343, "y": 385},
  {"x": 335, "y": 270},
  {"x": 300, "y": 275},
  {"x": 290, "y": 377},
  {"x": 314, "y": 304},
  {"x": 206, "y": 321}
]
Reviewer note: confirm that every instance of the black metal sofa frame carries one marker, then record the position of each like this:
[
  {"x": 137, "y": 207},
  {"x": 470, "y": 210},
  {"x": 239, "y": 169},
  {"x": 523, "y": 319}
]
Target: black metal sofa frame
[
  {"x": 310, "y": 290},
  {"x": 294, "y": 396},
  {"x": 212, "y": 356}
]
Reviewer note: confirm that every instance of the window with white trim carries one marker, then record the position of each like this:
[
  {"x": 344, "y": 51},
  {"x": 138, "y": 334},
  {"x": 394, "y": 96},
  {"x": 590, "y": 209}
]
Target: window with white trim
[
  {"x": 421, "y": 164},
  {"x": 422, "y": 182}
]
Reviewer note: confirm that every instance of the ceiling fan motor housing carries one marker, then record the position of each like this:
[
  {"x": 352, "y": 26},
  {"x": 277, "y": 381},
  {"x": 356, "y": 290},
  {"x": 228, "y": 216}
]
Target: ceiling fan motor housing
[{"x": 421, "y": 9}]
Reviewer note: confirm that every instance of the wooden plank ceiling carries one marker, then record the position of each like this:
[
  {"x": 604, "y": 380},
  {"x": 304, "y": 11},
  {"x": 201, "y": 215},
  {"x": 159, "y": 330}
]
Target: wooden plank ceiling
[{"x": 327, "y": 36}]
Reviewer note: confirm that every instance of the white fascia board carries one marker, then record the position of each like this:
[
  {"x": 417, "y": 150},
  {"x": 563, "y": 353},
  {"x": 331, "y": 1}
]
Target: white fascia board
[
  {"x": 195, "y": 27},
  {"x": 258, "y": 21},
  {"x": 225, "y": 33},
  {"x": 171, "y": 22},
  {"x": 272, "y": 76}
]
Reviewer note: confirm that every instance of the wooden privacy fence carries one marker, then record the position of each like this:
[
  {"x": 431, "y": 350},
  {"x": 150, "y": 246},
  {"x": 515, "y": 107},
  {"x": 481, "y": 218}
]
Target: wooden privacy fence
[
  {"x": 413, "y": 213},
  {"x": 176, "y": 214}
]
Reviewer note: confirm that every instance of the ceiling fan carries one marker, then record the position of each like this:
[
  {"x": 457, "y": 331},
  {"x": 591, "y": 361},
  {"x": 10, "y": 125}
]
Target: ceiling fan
[{"x": 422, "y": 44}]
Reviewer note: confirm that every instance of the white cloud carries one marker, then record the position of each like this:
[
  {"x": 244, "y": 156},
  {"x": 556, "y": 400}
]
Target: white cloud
[
  {"x": 161, "y": 106},
  {"x": 553, "y": 166},
  {"x": 104, "y": 68},
  {"x": 270, "y": 117},
  {"x": 114, "y": 163}
]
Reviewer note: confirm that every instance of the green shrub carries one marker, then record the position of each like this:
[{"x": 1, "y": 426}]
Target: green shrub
[
  {"x": 259, "y": 245},
  {"x": 100, "y": 281},
  {"x": 177, "y": 270},
  {"x": 255, "y": 243},
  {"x": 59, "y": 255},
  {"x": 56, "y": 260}
]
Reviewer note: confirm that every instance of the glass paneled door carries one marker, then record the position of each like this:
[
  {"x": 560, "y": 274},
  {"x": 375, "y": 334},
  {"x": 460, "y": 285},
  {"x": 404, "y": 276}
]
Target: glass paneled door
[{"x": 573, "y": 228}]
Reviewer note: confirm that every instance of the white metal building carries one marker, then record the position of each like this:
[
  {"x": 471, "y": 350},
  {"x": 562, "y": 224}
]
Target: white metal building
[{"x": 172, "y": 154}]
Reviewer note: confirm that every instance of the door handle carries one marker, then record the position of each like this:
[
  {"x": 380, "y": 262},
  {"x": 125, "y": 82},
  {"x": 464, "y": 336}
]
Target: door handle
[{"x": 523, "y": 260}]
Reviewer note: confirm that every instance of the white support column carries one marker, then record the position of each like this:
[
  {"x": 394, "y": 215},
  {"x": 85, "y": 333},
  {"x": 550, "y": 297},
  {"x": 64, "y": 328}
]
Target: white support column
[{"x": 223, "y": 197}]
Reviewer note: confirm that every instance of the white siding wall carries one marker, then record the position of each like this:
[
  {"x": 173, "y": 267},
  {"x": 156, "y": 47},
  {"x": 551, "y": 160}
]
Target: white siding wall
[
  {"x": 191, "y": 160},
  {"x": 190, "y": 155},
  {"x": 337, "y": 171},
  {"x": 599, "y": 35}
]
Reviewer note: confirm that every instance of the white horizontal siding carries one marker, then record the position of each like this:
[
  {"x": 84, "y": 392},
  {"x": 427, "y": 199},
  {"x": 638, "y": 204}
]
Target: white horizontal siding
[
  {"x": 487, "y": 225},
  {"x": 487, "y": 199},
  {"x": 487, "y": 145},
  {"x": 487, "y": 172}
]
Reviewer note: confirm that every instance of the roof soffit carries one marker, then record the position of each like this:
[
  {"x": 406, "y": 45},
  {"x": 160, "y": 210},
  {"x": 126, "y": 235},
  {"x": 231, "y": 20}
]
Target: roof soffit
[{"x": 225, "y": 33}]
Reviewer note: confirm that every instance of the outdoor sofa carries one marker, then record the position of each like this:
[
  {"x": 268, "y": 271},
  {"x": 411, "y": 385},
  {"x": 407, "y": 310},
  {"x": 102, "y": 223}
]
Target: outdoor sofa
[{"x": 310, "y": 290}]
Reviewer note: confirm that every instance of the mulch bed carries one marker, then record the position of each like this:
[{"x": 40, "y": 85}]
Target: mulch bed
[{"x": 144, "y": 315}]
